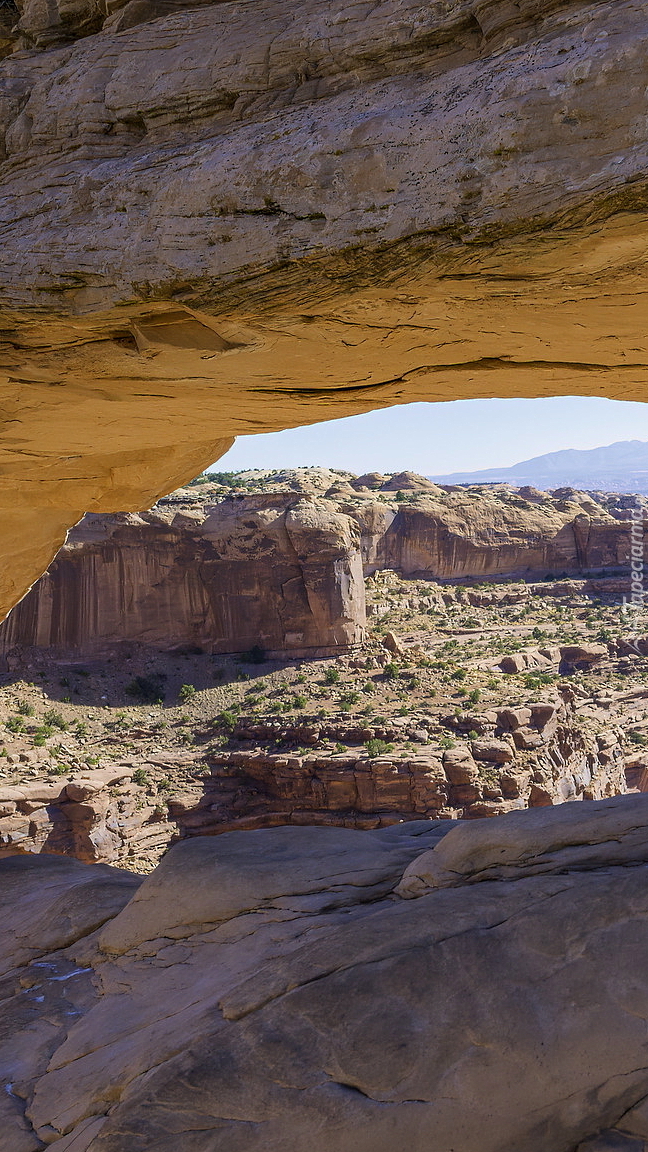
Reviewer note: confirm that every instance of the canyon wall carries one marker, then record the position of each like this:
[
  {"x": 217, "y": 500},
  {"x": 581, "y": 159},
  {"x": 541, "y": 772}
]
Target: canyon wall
[
  {"x": 280, "y": 575},
  {"x": 240, "y": 217},
  {"x": 283, "y": 570},
  {"x": 481, "y": 534}
]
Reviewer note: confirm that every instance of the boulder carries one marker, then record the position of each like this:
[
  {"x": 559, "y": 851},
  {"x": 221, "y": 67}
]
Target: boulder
[
  {"x": 493, "y": 751},
  {"x": 534, "y": 842}
]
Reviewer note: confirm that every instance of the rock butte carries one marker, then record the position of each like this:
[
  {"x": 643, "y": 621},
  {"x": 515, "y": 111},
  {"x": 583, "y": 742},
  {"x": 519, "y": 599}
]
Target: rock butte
[
  {"x": 285, "y": 569},
  {"x": 242, "y": 217}
]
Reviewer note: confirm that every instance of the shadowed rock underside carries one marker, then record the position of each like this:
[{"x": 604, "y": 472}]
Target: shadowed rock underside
[{"x": 236, "y": 218}]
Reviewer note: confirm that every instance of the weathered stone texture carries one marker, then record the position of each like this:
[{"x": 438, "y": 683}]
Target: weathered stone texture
[{"x": 268, "y": 991}]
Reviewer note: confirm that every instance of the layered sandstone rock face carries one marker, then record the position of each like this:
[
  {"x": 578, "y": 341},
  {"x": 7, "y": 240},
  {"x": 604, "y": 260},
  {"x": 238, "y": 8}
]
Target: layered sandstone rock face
[
  {"x": 284, "y": 570},
  {"x": 347, "y": 991},
  {"x": 239, "y": 217},
  {"x": 280, "y": 575}
]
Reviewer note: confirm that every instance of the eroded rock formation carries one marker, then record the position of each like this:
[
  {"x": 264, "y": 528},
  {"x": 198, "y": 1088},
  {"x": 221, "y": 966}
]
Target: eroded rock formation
[
  {"x": 264, "y": 572},
  {"x": 283, "y": 570},
  {"x": 323, "y": 1010},
  {"x": 240, "y": 217},
  {"x": 535, "y": 756}
]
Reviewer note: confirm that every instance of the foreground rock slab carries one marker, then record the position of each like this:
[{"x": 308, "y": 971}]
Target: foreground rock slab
[{"x": 268, "y": 990}]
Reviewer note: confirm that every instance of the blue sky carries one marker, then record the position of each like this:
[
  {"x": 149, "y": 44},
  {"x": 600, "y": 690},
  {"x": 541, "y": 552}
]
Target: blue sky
[{"x": 463, "y": 435}]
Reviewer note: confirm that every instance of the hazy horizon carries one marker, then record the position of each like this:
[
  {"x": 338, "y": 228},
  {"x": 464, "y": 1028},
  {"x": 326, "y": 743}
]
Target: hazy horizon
[{"x": 439, "y": 438}]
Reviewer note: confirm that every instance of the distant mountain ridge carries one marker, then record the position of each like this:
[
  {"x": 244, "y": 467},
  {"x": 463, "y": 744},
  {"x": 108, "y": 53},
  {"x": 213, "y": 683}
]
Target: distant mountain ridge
[{"x": 619, "y": 467}]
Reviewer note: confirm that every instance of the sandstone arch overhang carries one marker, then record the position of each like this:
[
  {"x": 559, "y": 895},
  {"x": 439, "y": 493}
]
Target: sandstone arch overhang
[{"x": 316, "y": 214}]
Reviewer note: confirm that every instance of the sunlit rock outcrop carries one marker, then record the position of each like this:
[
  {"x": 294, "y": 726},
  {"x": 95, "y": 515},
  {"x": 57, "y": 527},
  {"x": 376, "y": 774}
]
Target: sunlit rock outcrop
[
  {"x": 283, "y": 569},
  {"x": 260, "y": 572}
]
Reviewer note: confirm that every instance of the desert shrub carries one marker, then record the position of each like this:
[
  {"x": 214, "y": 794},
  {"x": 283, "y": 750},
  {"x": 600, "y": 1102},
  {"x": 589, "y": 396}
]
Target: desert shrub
[
  {"x": 390, "y": 671},
  {"x": 227, "y": 720},
  {"x": 186, "y": 692},
  {"x": 15, "y": 724},
  {"x": 539, "y": 679},
  {"x": 637, "y": 738},
  {"x": 146, "y": 689},
  {"x": 255, "y": 655},
  {"x": 376, "y": 747},
  {"x": 42, "y": 734},
  {"x": 60, "y": 769},
  {"x": 446, "y": 742},
  {"x": 140, "y": 776},
  {"x": 331, "y": 676},
  {"x": 458, "y": 674},
  {"x": 25, "y": 709},
  {"x": 299, "y": 701},
  {"x": 55, "y": 720}
]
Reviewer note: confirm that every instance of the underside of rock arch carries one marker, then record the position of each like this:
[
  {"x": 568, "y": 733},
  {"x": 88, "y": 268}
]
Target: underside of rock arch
[{"x": 245, "y": 216}]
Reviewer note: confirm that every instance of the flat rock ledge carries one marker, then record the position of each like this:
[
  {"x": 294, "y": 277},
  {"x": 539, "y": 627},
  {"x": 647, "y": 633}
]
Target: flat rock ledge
[{"x": 272, "y": 990}]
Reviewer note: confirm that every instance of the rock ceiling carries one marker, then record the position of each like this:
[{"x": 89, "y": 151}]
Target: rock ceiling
[{"x": 242, "y": 217}]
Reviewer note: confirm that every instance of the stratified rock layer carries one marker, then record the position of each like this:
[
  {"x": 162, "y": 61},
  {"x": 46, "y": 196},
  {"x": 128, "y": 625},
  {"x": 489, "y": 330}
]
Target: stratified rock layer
[
  {"x": 268, "y": 991},
  {"x": 526, "y": 757},
  {"x": 283, "y": 571},
  {"x": 265, "y": 572},
  {"x": 238, "y": 217}
]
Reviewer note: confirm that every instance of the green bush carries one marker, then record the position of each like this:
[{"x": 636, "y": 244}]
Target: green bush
[
  {"x": 186, "y": 692},
  {"x": 55, "y": 720},
  {"x": 146, "y": 689},
  {"x": 390, "y": 671},
  {"x": 376, "y": 747},
  {"x": 140, "y": 776},
  {"x": 25, "y": 709},
  {"x": 331, "y": 676},
  {"x": 255, "y": 655},
  {"x": 227, "y": 720},
  {"x": 300, "y": 701},
  {"x": 15, "y": 724}
]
